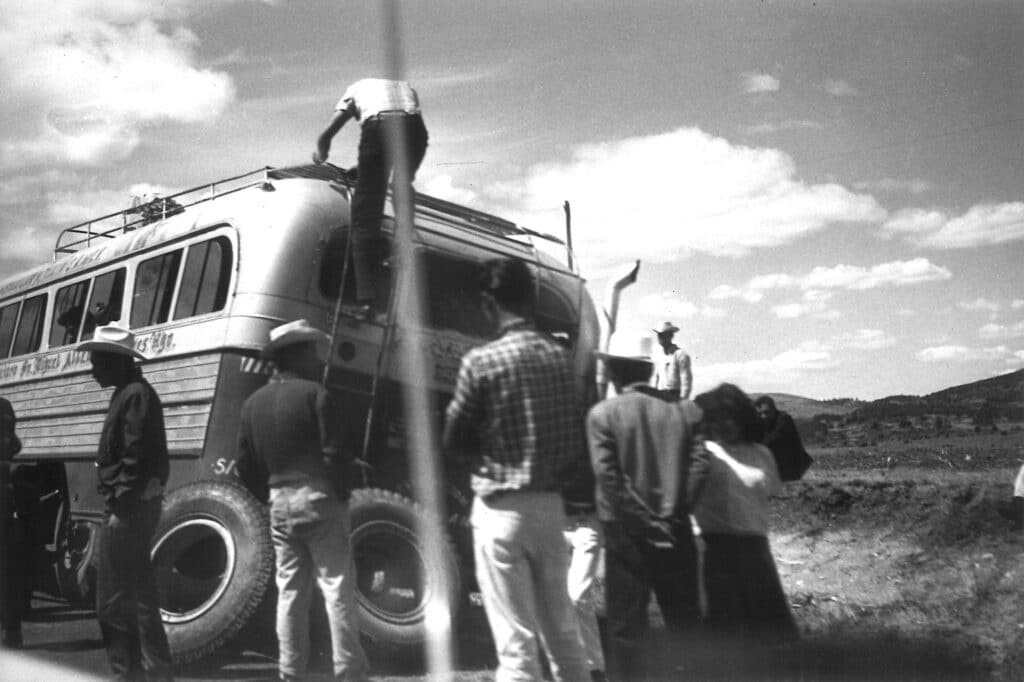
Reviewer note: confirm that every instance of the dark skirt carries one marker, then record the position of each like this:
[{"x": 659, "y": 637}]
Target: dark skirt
[{"x": 744, "y": 593}]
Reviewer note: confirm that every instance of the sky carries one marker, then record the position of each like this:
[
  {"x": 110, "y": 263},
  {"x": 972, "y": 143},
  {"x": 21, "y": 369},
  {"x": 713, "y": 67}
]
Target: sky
[{"x": 827, "y": 198}]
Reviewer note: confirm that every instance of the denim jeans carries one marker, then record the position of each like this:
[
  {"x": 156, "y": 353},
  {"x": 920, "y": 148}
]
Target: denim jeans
[
  {"x": 310, "y": 529},
  {"x": 372, "y": 187},
  {"x": 522, "y": 567},
  {"x": 127, "y": 602}
]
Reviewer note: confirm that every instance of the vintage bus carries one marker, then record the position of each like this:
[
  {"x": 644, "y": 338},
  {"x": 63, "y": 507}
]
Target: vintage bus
[{"x": 201, "y": 277}]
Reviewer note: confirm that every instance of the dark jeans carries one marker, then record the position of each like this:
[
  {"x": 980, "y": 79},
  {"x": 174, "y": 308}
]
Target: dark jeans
[
  {"x": 372, "y": 187},
  {"x": 745, "y": 596},
  {"x": 15, "y": 570},
  {"x": 127, "y": 602},
  {"x": 638, "y": 563}
]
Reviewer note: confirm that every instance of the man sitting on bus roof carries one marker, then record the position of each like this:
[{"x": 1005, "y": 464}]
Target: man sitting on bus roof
[{"x": 389, "y": 111}]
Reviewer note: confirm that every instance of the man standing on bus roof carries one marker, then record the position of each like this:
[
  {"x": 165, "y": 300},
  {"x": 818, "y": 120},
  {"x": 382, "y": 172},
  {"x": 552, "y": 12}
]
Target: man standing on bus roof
[
  {"x": 517, "y": 418},
  {"x": 133, "y": 466},
  {"x": 672, "y": 374},
  {"x": 389, "y": 112},
  {"x": 288, "y": 441}
]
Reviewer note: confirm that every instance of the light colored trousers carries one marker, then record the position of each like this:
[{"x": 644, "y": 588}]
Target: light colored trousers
[
  {"x": 310, "y": 530},
  {"x": 585, "y": 540},
  {"x": 522, "y": 568}
]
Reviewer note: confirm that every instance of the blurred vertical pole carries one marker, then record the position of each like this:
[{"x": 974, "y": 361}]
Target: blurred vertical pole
[{"x": 421, "y": 432}]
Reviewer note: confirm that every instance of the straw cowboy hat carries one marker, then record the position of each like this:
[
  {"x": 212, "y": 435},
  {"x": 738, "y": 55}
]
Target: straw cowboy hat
[
  {"x": 290, "y": 333},
  {"x": 112, "y": 339},
  {"x": 667, "y": 328},
  {"x": 627, "y": 348}
]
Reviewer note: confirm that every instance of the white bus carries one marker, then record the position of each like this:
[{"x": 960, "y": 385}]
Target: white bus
[{"x": 201, "y": 277}]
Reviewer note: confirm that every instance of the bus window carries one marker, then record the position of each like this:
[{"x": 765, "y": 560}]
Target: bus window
[
  {"x": 204, "y": 284},
  {"x": 68, "y": 311},
  {"x": 30, "y": 327},
  {"x": 8, "y": 317},
  {"x": 154, "y": 289},
  {"x": 105, "y": 301},
  {"x": 332, "y": 264},
  {"x": 453, "y": 296}
]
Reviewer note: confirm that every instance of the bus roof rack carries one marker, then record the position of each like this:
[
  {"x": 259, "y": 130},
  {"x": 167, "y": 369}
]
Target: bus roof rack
[{"x": 142, "y": 213}]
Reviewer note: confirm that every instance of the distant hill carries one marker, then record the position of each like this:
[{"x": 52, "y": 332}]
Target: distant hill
[
  {"x": 987, "y": 405},
  {"x": 992, "y": 398},
  {"x": 805, "y": 408}
]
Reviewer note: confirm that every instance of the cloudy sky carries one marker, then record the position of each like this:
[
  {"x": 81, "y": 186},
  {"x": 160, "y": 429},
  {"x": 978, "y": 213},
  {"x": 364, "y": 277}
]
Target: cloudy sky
[{"x": 826, "y": 197}]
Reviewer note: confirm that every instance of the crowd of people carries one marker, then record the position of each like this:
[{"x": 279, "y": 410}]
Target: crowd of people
[{"x": 657, "y": 470}]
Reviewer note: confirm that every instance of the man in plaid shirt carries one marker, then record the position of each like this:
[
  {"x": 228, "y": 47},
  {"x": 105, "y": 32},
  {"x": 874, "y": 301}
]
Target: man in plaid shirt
[{"x": 517, "y": 417}]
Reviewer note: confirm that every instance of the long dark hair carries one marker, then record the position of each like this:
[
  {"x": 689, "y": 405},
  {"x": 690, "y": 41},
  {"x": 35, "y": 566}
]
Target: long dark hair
[{"x": 728, "y": 401}]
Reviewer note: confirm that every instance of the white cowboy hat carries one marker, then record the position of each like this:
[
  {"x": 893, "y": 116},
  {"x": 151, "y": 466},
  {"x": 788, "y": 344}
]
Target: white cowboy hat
[
  {"x": 627, "y": 347},
  {"x": 112, "y": 339},
  {"x": 667, "y": 328},
  {"x": 297, "y": 331}
]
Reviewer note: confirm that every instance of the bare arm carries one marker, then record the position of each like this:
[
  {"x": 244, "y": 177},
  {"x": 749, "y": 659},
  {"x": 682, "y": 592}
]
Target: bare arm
[{"x": 323, "y": 143}]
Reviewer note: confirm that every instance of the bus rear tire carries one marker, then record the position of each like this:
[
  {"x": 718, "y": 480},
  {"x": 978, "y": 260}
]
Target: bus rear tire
[
  {"x": 397, "y": 588},
  {"x": 214, "y": 564}
]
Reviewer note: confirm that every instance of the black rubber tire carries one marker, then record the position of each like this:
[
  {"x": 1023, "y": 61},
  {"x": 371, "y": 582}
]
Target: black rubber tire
[
  {"x": 395, "y": 584},
  {"x": 214, "y": 563}
]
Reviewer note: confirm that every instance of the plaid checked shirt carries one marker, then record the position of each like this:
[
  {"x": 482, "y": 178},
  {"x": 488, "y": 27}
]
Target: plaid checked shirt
[{"x": 518, "y": 399}]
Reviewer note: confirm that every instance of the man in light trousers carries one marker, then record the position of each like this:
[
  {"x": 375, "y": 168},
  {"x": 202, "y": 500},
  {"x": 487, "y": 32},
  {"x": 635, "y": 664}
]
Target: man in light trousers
[
  {"x": 516, "y": 416},
  {"x": 287, "y": 443}
]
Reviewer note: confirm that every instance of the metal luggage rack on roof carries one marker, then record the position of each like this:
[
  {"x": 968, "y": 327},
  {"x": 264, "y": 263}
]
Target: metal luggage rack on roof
[{"x": 143, "y": 213}]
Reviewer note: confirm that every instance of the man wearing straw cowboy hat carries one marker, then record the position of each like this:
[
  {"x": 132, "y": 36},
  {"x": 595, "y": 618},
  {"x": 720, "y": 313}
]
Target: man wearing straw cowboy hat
[
  {"x": 133, "y": 466},
  {"x": 288, "y": 442},
  {"x": 641, "y": 442},
  {"x": 672, "y": 373}
]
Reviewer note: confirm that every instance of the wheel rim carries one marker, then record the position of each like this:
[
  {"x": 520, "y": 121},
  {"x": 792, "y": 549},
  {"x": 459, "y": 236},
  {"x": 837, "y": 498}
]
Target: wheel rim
[
  {"x": 193, "y": 562},
  {"x": 392, "y": 581}
]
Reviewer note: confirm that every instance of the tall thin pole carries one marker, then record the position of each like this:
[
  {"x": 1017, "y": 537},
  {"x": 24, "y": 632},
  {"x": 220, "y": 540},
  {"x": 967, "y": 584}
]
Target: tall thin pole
[{"x": 422, "y": 438}]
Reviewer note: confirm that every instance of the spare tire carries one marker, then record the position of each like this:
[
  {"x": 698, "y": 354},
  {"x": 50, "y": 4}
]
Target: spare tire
[
  {"x": 214, "y": 562},
  {"x": 396, "y": 586}
]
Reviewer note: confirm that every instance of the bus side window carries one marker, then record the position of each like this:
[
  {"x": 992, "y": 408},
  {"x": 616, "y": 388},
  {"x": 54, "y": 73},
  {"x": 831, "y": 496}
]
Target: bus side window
[
  {"x": 453, "y": 296},
  {"x": 204, "y": 284},
  {"x": 105, "y": 301},
  {"x": 68, "y": 311},
  {"x": 8, "y": 318},
  {"x": 154, "y": 289},
  {"x": 30, "y": 326}
]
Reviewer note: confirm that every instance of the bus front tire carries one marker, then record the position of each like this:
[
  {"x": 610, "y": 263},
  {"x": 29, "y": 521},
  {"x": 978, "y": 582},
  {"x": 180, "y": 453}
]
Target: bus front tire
[{"x": 214, "y": 565}]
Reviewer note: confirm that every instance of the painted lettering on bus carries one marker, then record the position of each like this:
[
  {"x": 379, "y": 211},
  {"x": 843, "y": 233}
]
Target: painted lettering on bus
[
  {"x": 156, "y": 343},
  {"x": 225, "y": 467}
]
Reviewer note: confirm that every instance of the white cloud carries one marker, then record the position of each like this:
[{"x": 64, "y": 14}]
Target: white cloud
[
  {"x": 1017, "y": 303},
  {"x": 774, "y": 373},
  {"x": 87, "y": 78},
  {"x": 767, "y": 128},
  {"x": 865, "y": 339},
  {"x": 958, "y": 353},
  {"x": 812, "y": 308},
  {"x": 913, "y": 186},
  {"x": 982, "y": 225},
  {"x": 443, "y": 187},
  {"x": 895, "y": 273},
  {"x": 760, "y": 82},
  {"x": 980, "y": 304},
  {"x": 669, "y": 306},
  {"x": 684, "y": 192},
  {"x": 1002, "y": 331},
  {"x": 840, "y": 88},
  {"x": 820, "y": 284}
]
